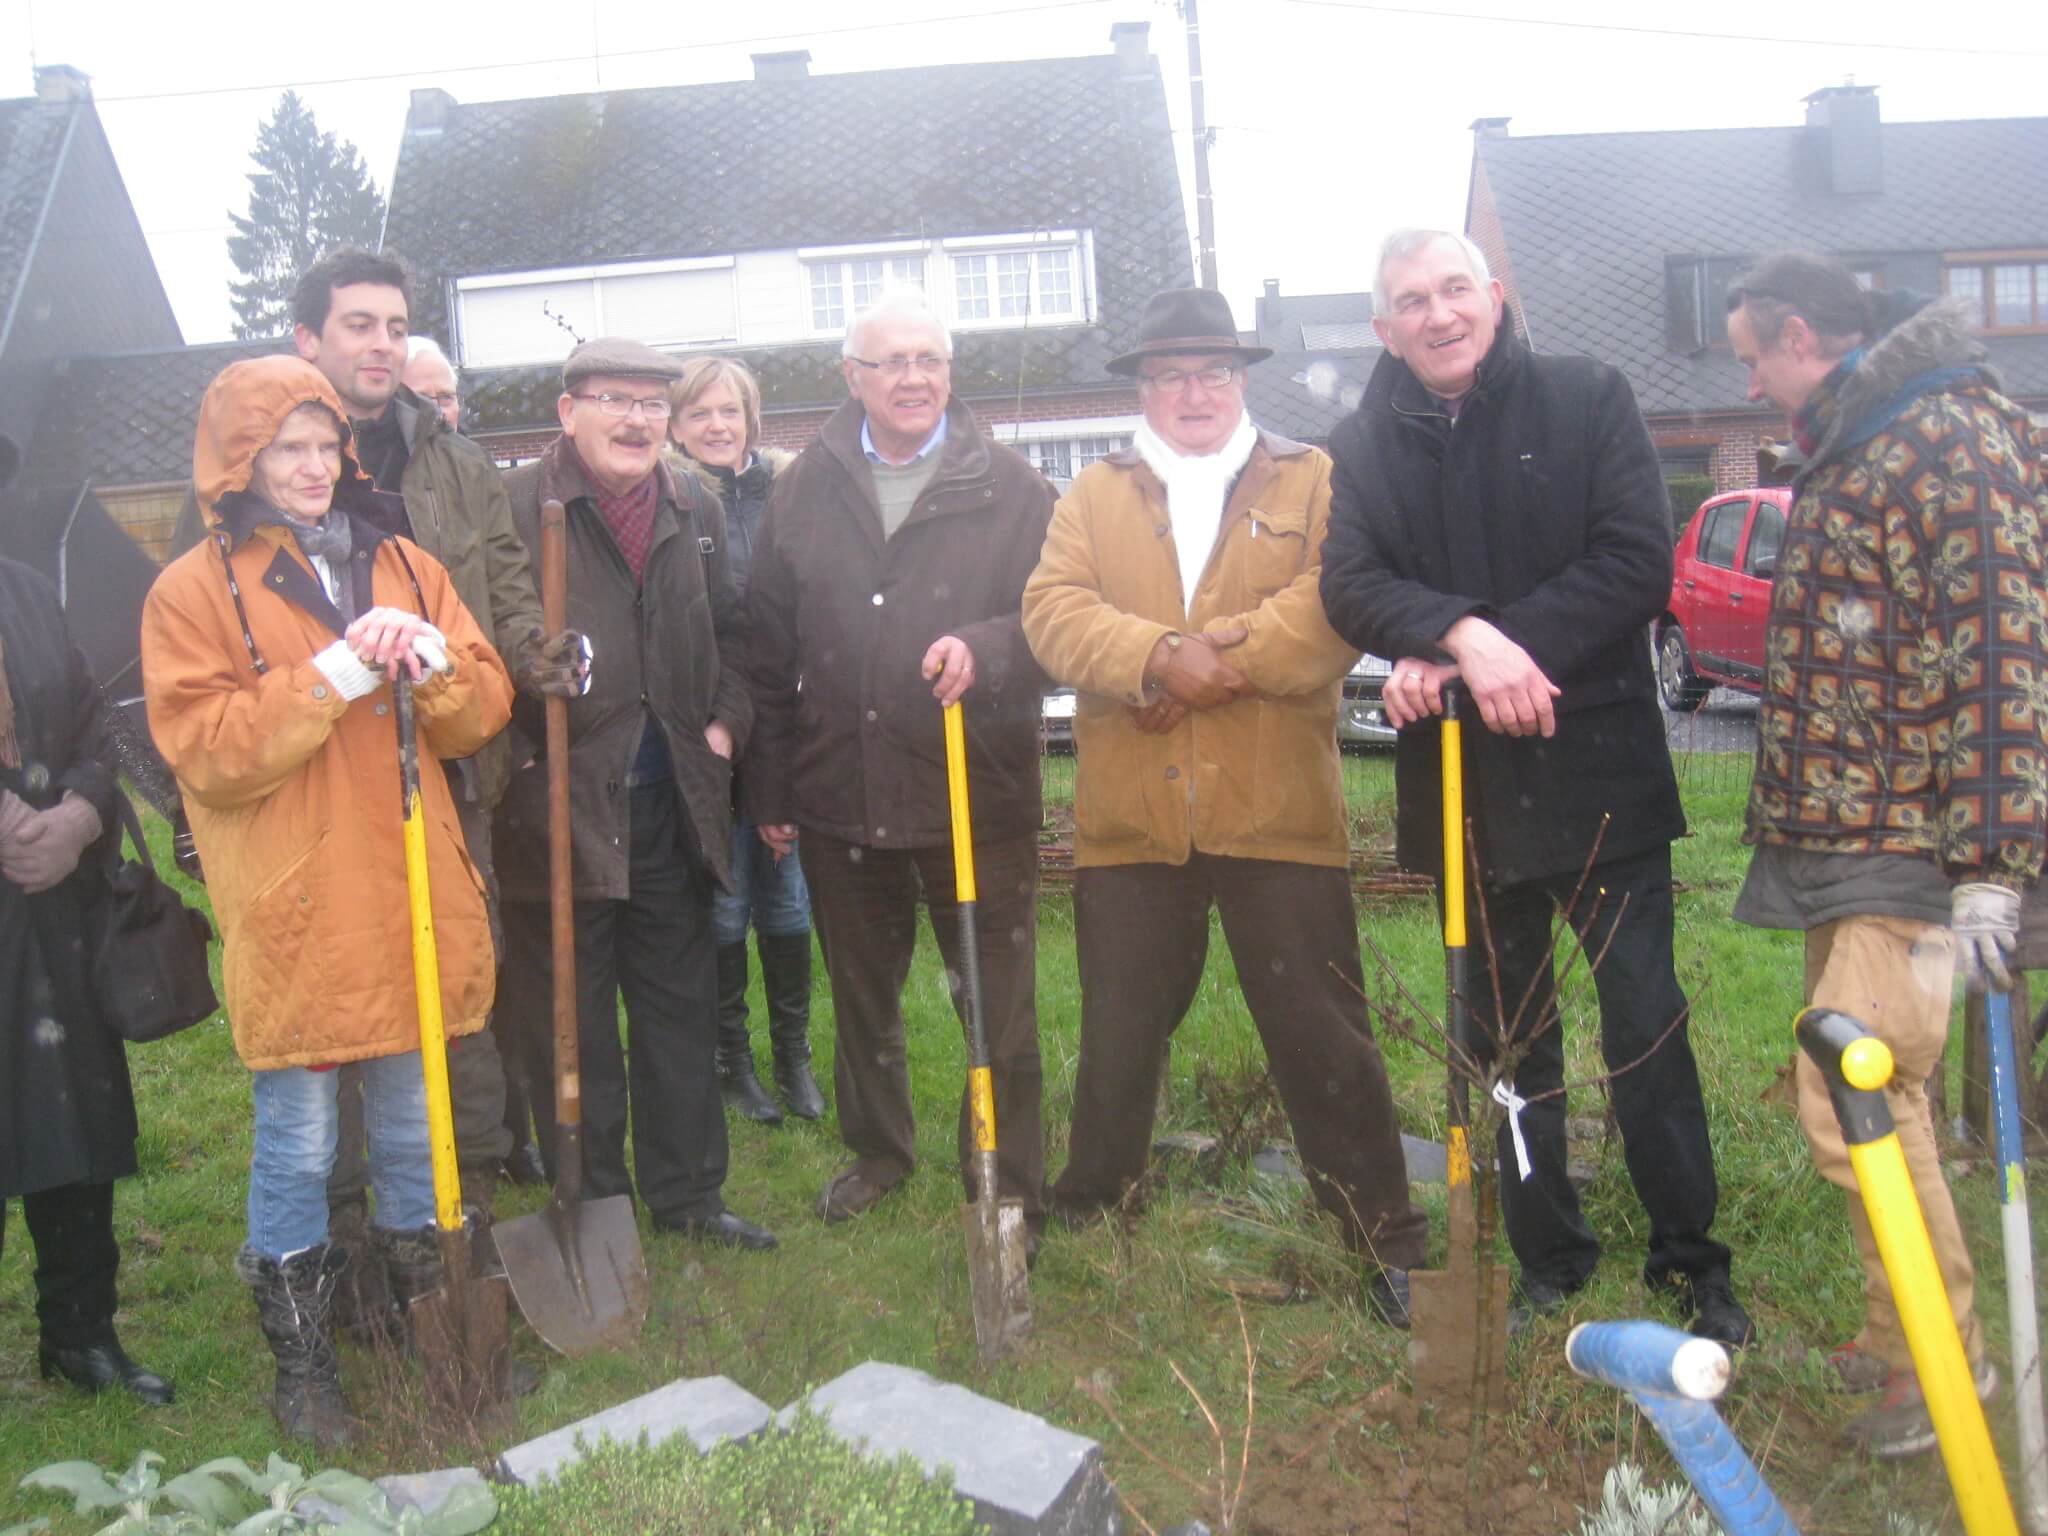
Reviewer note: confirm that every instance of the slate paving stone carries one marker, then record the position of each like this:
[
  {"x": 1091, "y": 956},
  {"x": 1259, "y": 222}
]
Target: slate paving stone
[
  {"x": 708, "y": 1409},
  {"x": 1025, "y": 1477}
]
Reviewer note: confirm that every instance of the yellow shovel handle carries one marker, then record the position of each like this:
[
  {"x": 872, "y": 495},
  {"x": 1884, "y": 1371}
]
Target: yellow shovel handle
[
  {"x": 956, "y": 792},
  {"x": 426, "y": 979}
]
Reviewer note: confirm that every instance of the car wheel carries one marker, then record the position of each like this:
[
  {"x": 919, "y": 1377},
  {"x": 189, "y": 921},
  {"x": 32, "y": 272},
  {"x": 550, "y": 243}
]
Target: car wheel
[{"x": 1677, "y": 686}]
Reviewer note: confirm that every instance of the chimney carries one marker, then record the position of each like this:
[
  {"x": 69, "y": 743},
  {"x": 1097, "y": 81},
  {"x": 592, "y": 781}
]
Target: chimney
[
  {"x": 1131, "y": 42},
  {"x": 61, "y": 84},
  {"x": 1842, "y": 123},
  {"x": 1490, "y": 127},
  {"x": 1272, "y": 287},
  {"x": 793, "y": 64},
  {"x": 429, "y": 111}
]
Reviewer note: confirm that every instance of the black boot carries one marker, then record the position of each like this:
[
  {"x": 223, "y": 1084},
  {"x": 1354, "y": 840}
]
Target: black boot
[
  {"x": 295, "y": 1307},
  {"x": 101, "y": 1365},
  {"x": 737, "y": 1083},
  {"x": 786, "y": 978}
]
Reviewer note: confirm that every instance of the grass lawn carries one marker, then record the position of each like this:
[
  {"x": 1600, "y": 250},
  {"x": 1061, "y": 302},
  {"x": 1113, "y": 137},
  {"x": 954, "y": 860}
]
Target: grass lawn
[{"x": 1335, "y": 1443}]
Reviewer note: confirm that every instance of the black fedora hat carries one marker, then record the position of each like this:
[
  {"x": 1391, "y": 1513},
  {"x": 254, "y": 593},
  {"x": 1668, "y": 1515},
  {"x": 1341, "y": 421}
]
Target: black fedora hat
[{"x": 1184, "y": 321}]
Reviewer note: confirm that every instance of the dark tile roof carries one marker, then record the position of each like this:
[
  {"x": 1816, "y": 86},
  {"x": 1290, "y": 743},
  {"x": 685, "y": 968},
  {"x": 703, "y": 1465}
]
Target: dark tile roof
[
  {"x": 128, "y": 418},
  {"x": 760, "y": 165},
  {"x": 32, "y": 136},
  {"x": 1590, "y": 218},
  {"x": 1303, "y": 395},
  {"x": 1285, "y": 319}
]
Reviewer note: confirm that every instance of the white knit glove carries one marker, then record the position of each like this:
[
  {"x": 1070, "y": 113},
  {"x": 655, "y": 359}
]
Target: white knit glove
[
  {"x": 345, "y": 672},
  {"x": 1986, "y": 920},
  {"x": 431, "y": 646}
]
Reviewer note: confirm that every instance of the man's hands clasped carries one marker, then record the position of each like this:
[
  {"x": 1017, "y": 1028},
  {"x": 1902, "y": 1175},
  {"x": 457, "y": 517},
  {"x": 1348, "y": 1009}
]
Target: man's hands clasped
[
  {"x": 1188, "y": 672},
  {"x": 1512, "y": 693}
]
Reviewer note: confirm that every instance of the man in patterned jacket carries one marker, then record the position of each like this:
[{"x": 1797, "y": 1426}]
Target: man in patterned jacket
[{"x": 1900, "y": 802}]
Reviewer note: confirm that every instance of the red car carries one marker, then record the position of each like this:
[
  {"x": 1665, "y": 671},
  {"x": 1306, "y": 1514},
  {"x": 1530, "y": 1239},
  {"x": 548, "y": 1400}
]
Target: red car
[{"x": 1712, "y": 634}]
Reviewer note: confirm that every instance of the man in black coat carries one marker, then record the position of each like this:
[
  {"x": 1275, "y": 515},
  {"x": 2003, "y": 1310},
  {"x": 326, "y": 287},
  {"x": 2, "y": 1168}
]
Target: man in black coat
[{"x": 1500, "y": 518}]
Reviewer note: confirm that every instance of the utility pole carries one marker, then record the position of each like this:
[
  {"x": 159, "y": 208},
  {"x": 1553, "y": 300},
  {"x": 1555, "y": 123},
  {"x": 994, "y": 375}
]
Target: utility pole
[{"x": 1205, "y": 203}]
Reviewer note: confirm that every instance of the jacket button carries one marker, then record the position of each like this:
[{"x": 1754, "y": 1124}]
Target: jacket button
[
  {"x": 383, "y": 709},
  {"x": 876, "y": 599},
  {"x": 1173, "y": 773},
  {"x": 319, "y": 690},
  {"x": 873, "y": 716},
  {"x": 881, "y": 831}
]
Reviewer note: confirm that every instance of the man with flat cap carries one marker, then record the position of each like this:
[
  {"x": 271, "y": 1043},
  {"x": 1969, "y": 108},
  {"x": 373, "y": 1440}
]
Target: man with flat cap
[
  {"x": 650, "y": 769},
  {"x": 1177, "y": 594}
]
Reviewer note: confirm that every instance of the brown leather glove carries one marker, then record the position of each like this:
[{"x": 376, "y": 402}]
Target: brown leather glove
[
  {"x": 558, "y": 666},
  {"x": 46, "y": 849}
]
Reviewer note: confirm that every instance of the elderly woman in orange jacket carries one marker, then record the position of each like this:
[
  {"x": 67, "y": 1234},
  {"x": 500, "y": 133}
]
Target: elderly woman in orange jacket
[{"x": 269, "y": 654}]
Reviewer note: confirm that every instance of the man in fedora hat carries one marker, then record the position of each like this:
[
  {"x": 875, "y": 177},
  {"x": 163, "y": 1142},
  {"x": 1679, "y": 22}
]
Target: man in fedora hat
[
  {"x": 1177, "y": 594},
  {"x": 1500, "y": 517}
]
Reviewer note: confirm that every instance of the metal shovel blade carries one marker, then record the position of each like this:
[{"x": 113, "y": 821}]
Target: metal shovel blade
[
  {"x": 1445, "y": 1341},
  {"x": 596, "y": 1241},
  {"x": 997, "y": 1275}
]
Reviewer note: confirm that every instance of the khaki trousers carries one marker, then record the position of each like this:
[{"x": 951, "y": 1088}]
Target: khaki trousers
[{"x": 1892, "y": 975}]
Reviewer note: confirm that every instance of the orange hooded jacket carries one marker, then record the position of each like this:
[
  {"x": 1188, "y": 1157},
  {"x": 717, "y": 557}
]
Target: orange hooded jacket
[{"x": 293, "y": 791}]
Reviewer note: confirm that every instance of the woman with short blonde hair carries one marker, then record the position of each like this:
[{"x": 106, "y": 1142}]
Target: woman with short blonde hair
[{"x": 715, "y": 424}]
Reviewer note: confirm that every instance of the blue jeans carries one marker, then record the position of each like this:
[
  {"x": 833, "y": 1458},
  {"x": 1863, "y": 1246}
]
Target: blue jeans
[
  {"x": 773, "y": 895},
  {"x": 297, "y": 1115}
]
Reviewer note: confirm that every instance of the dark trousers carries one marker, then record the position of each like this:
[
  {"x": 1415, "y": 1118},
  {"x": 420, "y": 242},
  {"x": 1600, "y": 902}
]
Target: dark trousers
[
  {"x": 864, "y": 904},
  {"x": 476, "y": 1069},
  {"x": 1625, "y": 909},
  {"x": 77, "y": 1259},
  {"x": 656, "y": 948},
  {"x": 1142, "y": 935}
]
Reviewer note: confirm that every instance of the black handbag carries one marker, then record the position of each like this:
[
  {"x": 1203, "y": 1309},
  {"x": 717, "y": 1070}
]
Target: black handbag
[{"x": 149, "y": 966}]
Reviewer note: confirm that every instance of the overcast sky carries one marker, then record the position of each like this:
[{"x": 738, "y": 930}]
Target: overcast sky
[{"x": 1334, "y": 121}]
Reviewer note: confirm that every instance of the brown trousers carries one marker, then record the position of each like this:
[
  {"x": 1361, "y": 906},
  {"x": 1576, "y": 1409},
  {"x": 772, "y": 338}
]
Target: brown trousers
[
  {"x": 864, "y": 905},
  {"x": 1142, "y": 934},
  {"x": 1892, "y": 976}
]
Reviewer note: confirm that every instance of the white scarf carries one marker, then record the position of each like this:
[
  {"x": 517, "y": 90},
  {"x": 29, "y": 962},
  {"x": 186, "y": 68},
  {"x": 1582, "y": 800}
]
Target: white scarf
[{"x": 1195, "y": 490}]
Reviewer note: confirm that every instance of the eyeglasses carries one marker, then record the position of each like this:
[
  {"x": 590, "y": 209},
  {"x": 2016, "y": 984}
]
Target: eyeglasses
[
  {"x": 655, "y": 409},
  {"x": 449, "y": 398},
  {"x": 896, "y": 367},
  {"x": 1174, "y": 380}
]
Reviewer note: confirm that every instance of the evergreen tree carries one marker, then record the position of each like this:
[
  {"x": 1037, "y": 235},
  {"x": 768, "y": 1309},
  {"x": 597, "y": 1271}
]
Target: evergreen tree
[{"x": 310, "y": 193}]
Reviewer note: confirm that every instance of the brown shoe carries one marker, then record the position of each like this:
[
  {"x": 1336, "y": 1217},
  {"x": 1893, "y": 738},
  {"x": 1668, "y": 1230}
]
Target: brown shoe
[{"x": 850, "y": 1192}]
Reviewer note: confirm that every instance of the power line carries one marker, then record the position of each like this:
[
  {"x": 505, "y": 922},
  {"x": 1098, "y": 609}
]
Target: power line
[
  {"x": 1675, "y": 32},
  {"x": 623, "y": 53}
]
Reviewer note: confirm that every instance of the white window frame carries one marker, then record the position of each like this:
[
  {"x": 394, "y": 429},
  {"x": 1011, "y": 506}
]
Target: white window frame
[
  {"x": 812, "y": 259},
  {"x": 1027, "y": 437},
  {"x": 595, "y": 276},
  {"x": 1076, "y": 246}
]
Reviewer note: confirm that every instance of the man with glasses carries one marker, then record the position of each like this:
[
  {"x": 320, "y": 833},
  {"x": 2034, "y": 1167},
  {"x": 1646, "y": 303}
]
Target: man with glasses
[
  {"x": 1177, "y": 593},
  {"x": 886, "y": 580},
  {"x": 429, "y": 375},
  {"x": 650, "y": 792},
  {"x": 1500, "y": 518}
]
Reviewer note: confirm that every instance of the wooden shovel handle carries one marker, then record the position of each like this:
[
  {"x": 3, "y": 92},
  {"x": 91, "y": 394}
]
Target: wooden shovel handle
[{"x": 554, "y": 607}]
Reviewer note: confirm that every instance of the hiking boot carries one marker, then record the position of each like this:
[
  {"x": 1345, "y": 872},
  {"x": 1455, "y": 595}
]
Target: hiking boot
[
  {"x": 1386, "y": 1297},
  {"x": 1709, "y": 1301},
  {"x": 737, "y": 1084},
  {"x": 786, "y": 979},
  {"x": 1857, "y": 1369},
  {"x": 1900, "y": 1425},
  {"x": 295, "y": 1309}
]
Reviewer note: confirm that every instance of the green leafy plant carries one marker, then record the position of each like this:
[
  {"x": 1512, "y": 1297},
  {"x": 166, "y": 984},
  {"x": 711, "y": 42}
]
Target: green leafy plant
[
  {"x": 804, "y": 1481},
  {"x": 228, "y": 1495}
]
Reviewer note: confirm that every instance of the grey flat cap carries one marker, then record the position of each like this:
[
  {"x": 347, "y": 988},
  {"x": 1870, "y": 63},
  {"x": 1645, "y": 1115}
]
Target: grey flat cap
[{"x": 618, "y": 357}]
